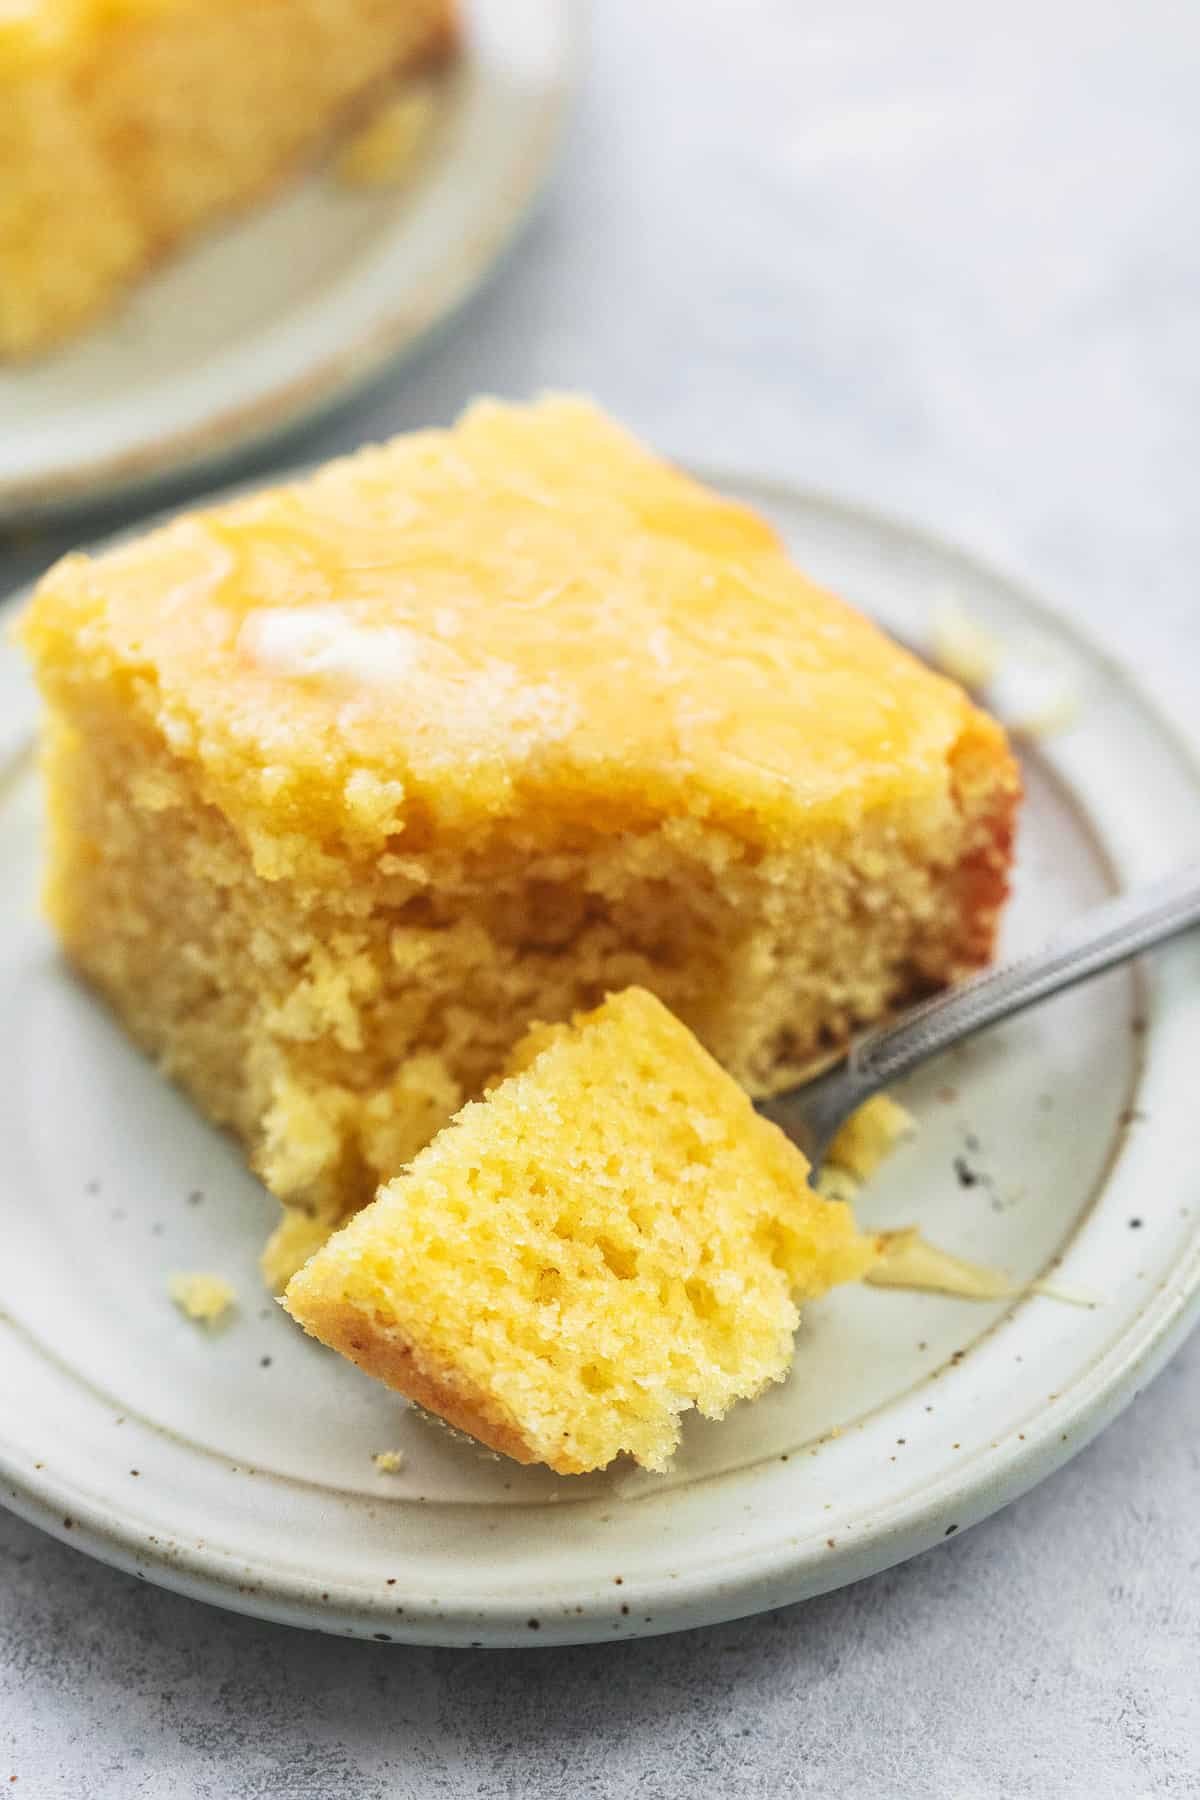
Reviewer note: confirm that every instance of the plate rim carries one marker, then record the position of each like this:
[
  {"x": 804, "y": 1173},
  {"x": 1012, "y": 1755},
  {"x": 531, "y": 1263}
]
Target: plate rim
[
  {"x": 758, "y": 1577},
  {"x": 245, "y": 426}
]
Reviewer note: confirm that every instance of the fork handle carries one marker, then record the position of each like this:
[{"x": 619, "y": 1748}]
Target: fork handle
[{"x": 1107, "y": 935}]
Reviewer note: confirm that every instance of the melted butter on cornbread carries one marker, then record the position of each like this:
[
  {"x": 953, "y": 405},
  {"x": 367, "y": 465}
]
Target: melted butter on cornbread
[
  {"x": 206, "y": 1299},
  {"x": 654, "y": 649},
  {"x": 443, "y": 692},
  {"x": 324, "y": 641}
]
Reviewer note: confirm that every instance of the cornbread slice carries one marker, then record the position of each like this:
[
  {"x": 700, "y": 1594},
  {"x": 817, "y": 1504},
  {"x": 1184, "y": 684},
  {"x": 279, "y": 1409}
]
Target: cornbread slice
[
  {"x": 352, "y": 780},
  {"x": 127, "y": 124},
  {"x": 611, "y": 1237},
  {"x": 205, "y": 1298}
]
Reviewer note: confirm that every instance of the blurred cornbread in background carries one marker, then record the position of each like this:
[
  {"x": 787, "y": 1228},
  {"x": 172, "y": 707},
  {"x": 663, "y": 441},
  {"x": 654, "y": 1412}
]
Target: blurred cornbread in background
[{"x": 125, "y": 125}]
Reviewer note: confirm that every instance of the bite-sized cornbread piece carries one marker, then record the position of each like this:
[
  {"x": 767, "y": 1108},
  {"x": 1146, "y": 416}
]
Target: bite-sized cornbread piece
[
  {"x": 351, "y": 780},
  {"x": 611, "y": 1237},
  {"x": 127, "y": 124}
]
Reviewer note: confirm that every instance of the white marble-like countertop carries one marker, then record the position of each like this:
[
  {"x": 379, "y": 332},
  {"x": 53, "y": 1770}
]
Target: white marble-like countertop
[{"x": 946, "y": 259}]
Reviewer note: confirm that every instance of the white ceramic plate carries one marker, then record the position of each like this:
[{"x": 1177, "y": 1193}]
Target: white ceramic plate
[
  {"x": 282, "y": 314},
  {"x": 238, "y": 1468}
]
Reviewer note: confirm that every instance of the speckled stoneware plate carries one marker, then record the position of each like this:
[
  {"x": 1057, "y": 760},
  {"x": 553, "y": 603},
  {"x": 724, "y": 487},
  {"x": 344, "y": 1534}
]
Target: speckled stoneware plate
[
  {"x": 276, "y": 318},
  {"x": 238, "y": 1467}
]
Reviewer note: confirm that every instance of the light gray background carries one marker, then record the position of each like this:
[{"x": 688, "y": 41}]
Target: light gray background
[{"x": 944, "y": 258}]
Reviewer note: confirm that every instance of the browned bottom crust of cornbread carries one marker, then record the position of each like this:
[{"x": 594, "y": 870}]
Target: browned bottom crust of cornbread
[
  {"x": 167, "y": 123},
  {"x": 394, "y": 1360}
]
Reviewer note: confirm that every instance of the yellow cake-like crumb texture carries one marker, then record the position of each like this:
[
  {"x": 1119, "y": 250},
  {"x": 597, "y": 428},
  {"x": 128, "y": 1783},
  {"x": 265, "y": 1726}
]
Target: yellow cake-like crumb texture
[
  {"x": 350, "y": 781},
  {"x": 126, "y": 125},
  {"x": 307, "y": 1133},
  {"x": 865, "y": 1140},
  {"x": 612, "y": 1237},
  {"x": 206, "y": 1298}
]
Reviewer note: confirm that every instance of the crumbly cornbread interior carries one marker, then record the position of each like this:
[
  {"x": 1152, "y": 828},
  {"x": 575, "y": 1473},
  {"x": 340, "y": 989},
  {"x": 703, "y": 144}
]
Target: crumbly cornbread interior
[
  {"x": 350, "y": 781},
  {"x": 127, "y": 124},
  {"x": 611, "y": 1237}
]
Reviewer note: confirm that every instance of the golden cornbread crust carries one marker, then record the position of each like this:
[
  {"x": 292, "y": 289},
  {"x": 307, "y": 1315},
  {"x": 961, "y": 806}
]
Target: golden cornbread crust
[
  {"x": 351, "y": 781},
  {"x": 612, "y": 1237},
  {"x": 126, "y": 125}
]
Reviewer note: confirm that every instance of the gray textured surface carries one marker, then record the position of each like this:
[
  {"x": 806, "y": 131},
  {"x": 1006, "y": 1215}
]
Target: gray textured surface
[{"x": 944, "y": 259}]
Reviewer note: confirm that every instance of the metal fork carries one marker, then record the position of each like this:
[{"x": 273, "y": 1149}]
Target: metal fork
[{"x": 1109, "y": 934}]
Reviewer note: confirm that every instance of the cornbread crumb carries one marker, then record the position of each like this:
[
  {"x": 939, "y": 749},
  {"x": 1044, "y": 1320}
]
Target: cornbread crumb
[
  {"x": 297, "y": 1235},
  {"x": 1036, "y": 701},
  {"x": 389, "y": 1462},
  {"x": 383, "y": 152},
  {"x": 870, "y": 1135},
  {"x": 208, "y": 1299},
  {"x": 961, "y": 647},
  {"x": 612, "y": 1237}
]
